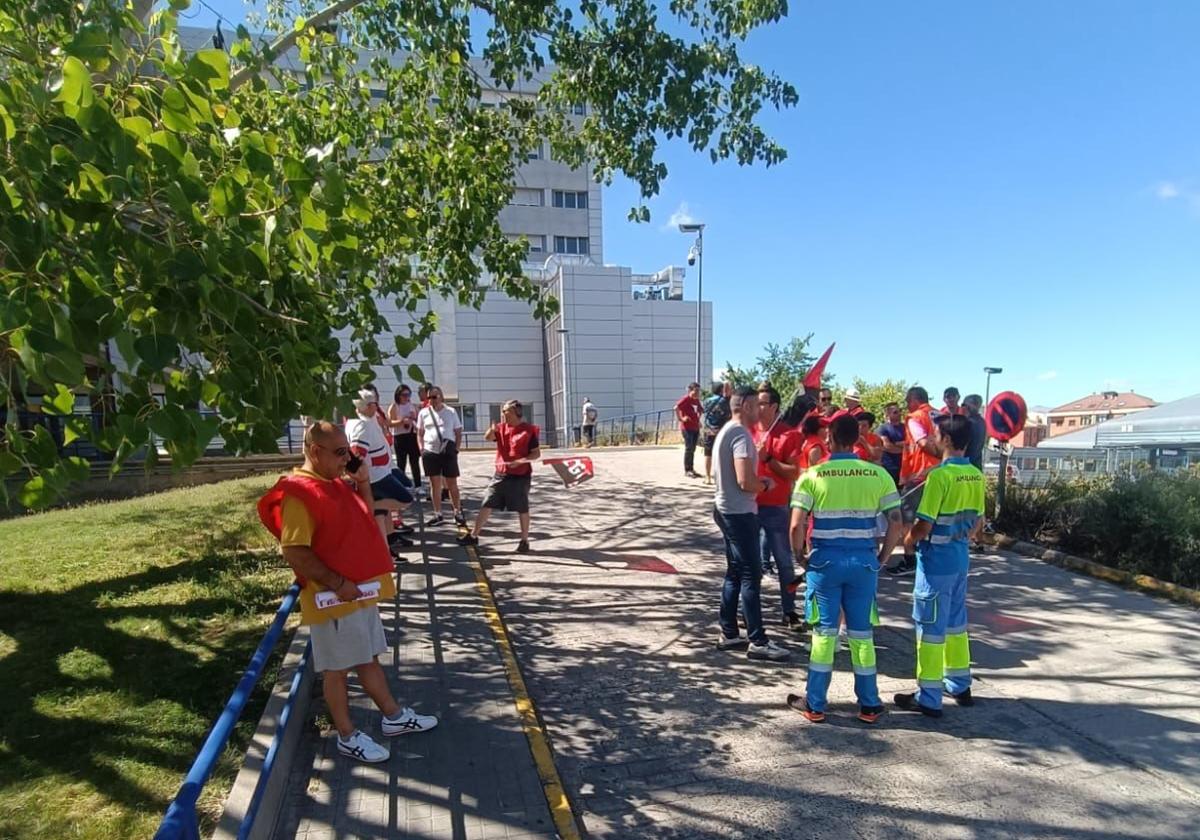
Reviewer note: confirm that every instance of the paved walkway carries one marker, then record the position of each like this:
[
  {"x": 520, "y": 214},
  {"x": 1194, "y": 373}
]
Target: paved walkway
[{"x": 1088, "y": 724}]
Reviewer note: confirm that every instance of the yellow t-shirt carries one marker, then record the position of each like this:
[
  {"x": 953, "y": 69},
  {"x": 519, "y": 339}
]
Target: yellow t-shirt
[{"x": 296, "y": 528}]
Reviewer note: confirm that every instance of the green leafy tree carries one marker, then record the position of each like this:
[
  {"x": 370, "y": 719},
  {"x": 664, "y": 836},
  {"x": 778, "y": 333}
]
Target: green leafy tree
[
  {"x": 783, "y": 365},
  {"x": 875, "y": 395},
  {"x": 217, "y": 230}
]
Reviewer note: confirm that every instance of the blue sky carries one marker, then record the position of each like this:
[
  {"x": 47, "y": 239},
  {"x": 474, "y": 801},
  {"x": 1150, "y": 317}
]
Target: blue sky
[{"x": 1012, "y": 184}]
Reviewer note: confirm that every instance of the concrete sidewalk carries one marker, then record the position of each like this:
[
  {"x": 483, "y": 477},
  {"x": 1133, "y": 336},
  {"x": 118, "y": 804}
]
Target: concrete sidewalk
[
  {"x": 1088, "y": 724},
  {"x": 473, "y": 776}
]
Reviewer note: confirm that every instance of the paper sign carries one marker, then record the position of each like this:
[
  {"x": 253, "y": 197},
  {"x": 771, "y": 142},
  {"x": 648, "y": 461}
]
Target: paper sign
[{"x": 369, "y": 591}]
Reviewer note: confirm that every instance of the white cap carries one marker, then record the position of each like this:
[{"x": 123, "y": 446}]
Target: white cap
[
  {"x": 365, "y": 397},
  {"x": 852, "y": 394}
]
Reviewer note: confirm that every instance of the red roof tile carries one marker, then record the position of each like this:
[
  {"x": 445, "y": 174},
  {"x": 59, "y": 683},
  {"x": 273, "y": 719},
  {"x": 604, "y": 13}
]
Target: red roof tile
[{"x": 1107, "y": 401}]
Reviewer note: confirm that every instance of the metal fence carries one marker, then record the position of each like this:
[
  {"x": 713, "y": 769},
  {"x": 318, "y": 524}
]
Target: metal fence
[
  {"x": 181, "y": 821},
  {"x": 646, "y": 428}
]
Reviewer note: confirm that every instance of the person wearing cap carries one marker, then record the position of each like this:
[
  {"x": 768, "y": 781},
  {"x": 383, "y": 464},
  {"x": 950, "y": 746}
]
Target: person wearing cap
[
  {"x": 973, "y": 404},
  {"x": 844, "y": 496},
  {"x": 853, "y": 401},
  {"x": 949, "y": 516},
  {"x": 921, "y": 454},
  {"x": 368, "y": 442},
  {"x": 516, "y": 450}
]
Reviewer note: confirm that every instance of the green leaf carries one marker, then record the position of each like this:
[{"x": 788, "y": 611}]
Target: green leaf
[
  {"x": 227, "y": 197},
  {"x": 91, "y": 43},
  {"x": 299, "y": 179},
  {"x": 415, "y": 373},
  {"x": 210, "y": 67},
  {"x": 58, "y": 400},
  {"x": 175, "y": 112},
  {"x": 156, "y": 350},
  {"x": 11, "y": 194},
  {"x": 75, "y": 88},
  {"x": 8, "y": 128},
  {"x": 35, "y": 494},
  {"x": 139, "y": 127},
  {"x": 9, "y": 463}
]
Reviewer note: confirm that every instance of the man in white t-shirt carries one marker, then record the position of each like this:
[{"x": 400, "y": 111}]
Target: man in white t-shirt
[
  {"x": 439, "y": 432},
  {"x": 369, "y": 442},
  {"x": 590, "y": 415}
]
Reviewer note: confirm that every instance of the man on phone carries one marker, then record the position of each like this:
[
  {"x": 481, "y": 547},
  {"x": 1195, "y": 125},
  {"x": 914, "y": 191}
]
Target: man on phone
[
  {"x": 516, "y": 450},
  {"x": 324, "y": 525}
]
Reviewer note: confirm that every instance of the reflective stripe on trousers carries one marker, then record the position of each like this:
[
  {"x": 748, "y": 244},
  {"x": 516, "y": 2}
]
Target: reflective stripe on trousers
[
  {"x": 842, "y": 582},
  {"x": 943, "y": 648}
]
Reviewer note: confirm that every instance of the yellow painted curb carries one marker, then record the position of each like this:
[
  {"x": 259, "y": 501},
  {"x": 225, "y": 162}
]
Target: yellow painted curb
[
  {"x": 1143, "y": 583},
  {"x": 535, "y": 733}
]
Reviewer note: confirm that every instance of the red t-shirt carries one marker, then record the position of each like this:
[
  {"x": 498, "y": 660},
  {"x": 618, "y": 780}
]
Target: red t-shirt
[
  {"x": 868, "y": 444},
  {"x": 783, "y": 444},
  {"x": 514, "y": 442},
  {"x": 812, "y": 451},
  {"x": 946, "y": 410},
  {"x": 688, "y": 408}
]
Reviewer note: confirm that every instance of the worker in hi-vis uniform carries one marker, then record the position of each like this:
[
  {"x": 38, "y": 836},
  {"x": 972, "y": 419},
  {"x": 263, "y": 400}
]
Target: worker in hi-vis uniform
[
  {"x": 949, "y": 516},
  {"x": 844, "y": 496}
]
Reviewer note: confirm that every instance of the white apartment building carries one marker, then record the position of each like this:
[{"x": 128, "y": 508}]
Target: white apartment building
[{"x": 630, "y": 341}]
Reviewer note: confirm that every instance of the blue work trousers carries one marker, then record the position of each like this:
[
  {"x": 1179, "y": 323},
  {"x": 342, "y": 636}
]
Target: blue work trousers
[
  {"x": 743, "y": 573},
  {"x": 774, "y": 522},
  {"x": 943, "y": 648},
  {"x": 842, "y": 581}
]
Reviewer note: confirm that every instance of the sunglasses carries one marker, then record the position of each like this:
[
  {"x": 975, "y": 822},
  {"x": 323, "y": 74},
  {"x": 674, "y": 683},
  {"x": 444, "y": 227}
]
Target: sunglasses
[{"x": 339, "y": 452}]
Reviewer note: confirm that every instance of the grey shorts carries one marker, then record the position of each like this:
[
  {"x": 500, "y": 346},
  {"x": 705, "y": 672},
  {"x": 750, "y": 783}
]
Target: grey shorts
[
  {"x": 509, "y": 492},
  {"x": 910, "y": 503},
  {"x": 342, "y": 643}
]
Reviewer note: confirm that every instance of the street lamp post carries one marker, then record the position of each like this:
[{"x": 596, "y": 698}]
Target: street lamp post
[
  {"x": 988, "y": 390},
  {"x": 698, "y": 252},
  {"x": 566, "y": 389}
]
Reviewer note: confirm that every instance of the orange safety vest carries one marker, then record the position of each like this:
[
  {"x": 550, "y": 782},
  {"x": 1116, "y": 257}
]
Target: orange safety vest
[{"x": 915, "y": 461}]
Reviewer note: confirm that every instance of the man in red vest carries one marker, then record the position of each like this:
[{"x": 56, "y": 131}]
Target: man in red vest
[
  {"x": 325, "y": 526},
  {"x": 516, "y": 450}
]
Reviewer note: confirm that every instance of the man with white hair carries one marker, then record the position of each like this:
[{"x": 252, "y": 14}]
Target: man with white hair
[{"x": 369, "y": 442}]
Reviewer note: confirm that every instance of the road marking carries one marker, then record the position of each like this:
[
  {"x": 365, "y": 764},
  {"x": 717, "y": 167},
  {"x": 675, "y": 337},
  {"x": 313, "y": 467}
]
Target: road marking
[{"x": 535, "y": 733}]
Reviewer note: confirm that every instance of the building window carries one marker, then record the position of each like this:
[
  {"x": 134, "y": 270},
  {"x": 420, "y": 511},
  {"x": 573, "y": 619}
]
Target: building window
[
  {"x": 578, "y": 109},
  {"x": 571, "y": 245},
  {"x": 534, "y": 153},
  {"x": 526, "y": 197},
  {"x": 537, "y": 242},
  {"x": 570, "y": 199}
]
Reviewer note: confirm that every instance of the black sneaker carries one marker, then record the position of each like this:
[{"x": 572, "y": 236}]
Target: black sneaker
[
  {"x": 793, "y": 621},
  {"x": 405, "y": 529},
  {"x": 692, "y": 474},
  {"x": 963, "y": 698},
  {"x": 905, "y": 567},
  {"x": 436, "y": 520},
  {"x": 523, "y": 547},
  {"x": 908, "y": 702},
  {"x": 397, "y": 539},
  {"x": 460, "y": 518},
  {"x": 468, "y": 539}
]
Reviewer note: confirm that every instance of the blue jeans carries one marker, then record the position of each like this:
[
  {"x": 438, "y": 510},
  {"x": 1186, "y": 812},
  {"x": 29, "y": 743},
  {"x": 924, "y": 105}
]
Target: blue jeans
[
  {"x": 842, "y": 581},
  {"x": 775, "y": 522},
  {"x": 743, "y": 572}
]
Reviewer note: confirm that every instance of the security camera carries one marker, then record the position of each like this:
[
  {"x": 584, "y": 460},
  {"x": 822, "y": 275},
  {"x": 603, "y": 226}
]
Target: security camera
[{"x": 691, "y": 256}]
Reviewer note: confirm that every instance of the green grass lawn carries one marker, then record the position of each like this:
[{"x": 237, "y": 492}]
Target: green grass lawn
[{"x": 123, "y": 628}]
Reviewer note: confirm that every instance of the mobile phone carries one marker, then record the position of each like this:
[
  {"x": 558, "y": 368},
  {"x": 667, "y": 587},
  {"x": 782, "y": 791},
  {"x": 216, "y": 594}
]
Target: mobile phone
[{"x": 353, "y": 465}]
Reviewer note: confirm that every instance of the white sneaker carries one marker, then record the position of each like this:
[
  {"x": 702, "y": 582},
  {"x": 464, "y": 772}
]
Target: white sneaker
[
  {"x": 726, "y": 643},
  {"x": 360, "y": 746},
  {"x": 771, "y": 651},
  {"x": 408, "y": 722}
]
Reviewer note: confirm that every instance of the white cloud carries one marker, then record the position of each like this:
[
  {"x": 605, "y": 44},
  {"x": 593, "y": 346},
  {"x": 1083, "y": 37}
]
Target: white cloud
[
  {"x": 1046, "y": 376},
  {"x": 681, "y": 216},
  {"x": 1167, "y": 190}
]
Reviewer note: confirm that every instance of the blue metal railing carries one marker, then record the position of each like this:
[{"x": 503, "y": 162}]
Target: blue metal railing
[{"x": 181, "y": 821}]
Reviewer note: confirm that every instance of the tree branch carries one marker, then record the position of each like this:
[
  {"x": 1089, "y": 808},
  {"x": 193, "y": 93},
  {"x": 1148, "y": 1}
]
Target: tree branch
[{"x": 285, "y": 42}]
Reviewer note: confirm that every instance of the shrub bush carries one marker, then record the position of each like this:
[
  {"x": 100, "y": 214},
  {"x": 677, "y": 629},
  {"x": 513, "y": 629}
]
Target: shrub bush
[{"x": 1147, "y": 523}]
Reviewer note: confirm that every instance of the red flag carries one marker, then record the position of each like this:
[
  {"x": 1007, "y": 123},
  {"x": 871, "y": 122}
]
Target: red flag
[
  {"x": 812, "y": 379},
  {"x": 572, "y": 470}
]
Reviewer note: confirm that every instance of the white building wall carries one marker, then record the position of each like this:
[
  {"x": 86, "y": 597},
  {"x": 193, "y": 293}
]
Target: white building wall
[{"x": 664, "y": 347}]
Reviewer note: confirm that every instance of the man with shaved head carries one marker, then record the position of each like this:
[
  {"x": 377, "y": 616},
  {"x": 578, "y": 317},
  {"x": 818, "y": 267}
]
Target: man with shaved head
[{"x": 322, "y": 517}]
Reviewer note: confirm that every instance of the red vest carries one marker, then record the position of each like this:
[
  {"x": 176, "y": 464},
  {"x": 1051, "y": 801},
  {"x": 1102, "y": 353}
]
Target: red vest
[
  {"x": 345, "y": 536},
  {"x": 514, "y": 442}
]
